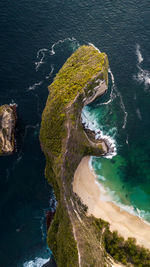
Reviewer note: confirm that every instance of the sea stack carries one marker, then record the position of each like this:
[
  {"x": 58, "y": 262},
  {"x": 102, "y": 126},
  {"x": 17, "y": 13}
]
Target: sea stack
[{"x": 7, "y": 129}]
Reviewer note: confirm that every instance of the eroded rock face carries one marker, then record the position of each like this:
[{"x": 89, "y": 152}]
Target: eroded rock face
[
  {"x": 84, "y": 76},
  {"x": 7, "y": 129}
]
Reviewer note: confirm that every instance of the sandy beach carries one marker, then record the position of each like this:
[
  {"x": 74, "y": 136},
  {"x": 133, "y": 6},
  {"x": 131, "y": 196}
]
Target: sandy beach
[{"x": 126, "y": 224}]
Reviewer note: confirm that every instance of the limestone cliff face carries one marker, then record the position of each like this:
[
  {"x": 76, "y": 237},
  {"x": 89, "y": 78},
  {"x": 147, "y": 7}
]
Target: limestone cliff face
[
  {"x": 7, "y": 126},
  {"x": 72, "y": 235}
]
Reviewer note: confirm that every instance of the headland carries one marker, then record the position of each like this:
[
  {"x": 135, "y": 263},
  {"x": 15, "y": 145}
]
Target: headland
[{"x": 75, "y": 238}]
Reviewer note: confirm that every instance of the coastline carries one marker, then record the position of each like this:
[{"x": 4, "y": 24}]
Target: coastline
[{"x": 127, "y": 225}]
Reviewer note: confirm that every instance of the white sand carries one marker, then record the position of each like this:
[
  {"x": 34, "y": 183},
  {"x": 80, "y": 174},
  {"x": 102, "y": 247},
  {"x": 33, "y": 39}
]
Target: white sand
[{"x": 127, "y": 225}]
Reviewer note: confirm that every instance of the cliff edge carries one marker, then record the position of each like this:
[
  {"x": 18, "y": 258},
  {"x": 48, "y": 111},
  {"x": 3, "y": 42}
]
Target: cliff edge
[
  {"x": 75, "y": 238},
  {"x": 72, "y": 235}
]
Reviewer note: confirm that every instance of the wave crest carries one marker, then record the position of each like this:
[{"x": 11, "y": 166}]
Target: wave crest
[
  {"x": 37, "y": 262},
  {"x": 143, "y": 75},
  {"x": 89, "y": 122}
]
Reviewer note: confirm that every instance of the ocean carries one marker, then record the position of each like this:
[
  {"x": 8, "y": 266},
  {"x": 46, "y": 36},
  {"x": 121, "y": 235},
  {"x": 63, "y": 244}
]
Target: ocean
[{"x": 36, "y": 38}]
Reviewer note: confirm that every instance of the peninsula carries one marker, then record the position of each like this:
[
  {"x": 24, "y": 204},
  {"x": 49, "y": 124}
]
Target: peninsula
[{"x": 76, "y": 237}]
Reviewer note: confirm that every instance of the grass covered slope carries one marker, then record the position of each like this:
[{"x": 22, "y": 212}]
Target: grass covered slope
[
  {"x": 85, "y": 64},
  {"x": 64, "y": 143},
  {"x": 75, "y": 238}
]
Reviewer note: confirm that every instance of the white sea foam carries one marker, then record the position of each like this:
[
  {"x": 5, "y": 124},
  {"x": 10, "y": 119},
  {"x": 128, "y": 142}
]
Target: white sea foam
[
  {"x": 144, "y": 215},
  {"x": 90, "y": 164},
  {"x": 42, "y": 227},
  {"x": 90, "y": 123},
  {"x": 40, "y": 57},
  {"x": 127, "y": 140},
  {"x": 34, "y": 86},
  {"x": 37, "y": 262},
  {"x": 108, "y": 195},
  {"x": 134, "y": 211},
  {"x": 112, "y": 96},
  {"x": 52, "y": 51},
  {"x": 94, "y": 47},
  {"x": 139, "y": 54},
  {"x": 13, "y": 103},
  {"x": 143, "y": 76},
  {"x": 112, "y": 76},
  {"x": 138, "y": 112},
  {"x": 102, "y": 178},
  {"x": 103, "y": 194},
  {"x": 51, "y": 72}
]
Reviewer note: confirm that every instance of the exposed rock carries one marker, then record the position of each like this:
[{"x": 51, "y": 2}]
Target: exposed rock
[
  {"x": 49, "y": 218},
  {"x": 72, "y": 236},
  {"x": 7, "y": 129},
  {"x": 50, "y": 263}
]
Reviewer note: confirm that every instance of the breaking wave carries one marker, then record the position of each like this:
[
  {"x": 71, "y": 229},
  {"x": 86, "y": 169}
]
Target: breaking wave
[
  {"x": 34, "y": 86},
  {"x": 94, "y": 47},
  {"x": 108, "y": 195},
  {"x": 72, "y": 40},
  {"x": 111, "y": 196},
  {"x": 89, "y": 122},
  {"x": 143, "y": 75},
  {"x": 37, "y": 262},
  {"x": 40, "y": 57},
  {"x": 114, "y": 92},
  {"x": 139, "y": 54},
  {"x": 13, "y": 103},
  {"x": 51, "y": 72},
  {"x": 114, "y": 88}
]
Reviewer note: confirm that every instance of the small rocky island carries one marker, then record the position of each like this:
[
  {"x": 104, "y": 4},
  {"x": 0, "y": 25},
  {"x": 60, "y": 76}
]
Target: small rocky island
[
  {"x": 75, "y": 238},
  {"x": 7, "y": 129}
]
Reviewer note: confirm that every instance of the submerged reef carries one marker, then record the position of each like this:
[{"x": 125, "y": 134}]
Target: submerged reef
[
  {"x": 7, "y": 129},
  {"x": 74, "y": 238}
]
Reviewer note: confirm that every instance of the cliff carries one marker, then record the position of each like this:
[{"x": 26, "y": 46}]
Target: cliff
[
  {"x": 7, "y": 129},
  {"x": 72, "y": 235}
]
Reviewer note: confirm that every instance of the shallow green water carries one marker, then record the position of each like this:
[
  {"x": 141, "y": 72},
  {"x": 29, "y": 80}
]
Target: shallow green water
[{"x": 124, "y": 174}]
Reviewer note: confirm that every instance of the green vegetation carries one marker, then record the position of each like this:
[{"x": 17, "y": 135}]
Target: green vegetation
[
  {"x": 64, "y": 144},
  {"x": 125, "y": 251},
  {"x": 61, "y": 116},
  {"x": 60, "y": 237},
  {"x": 61, "y": 240},
  {"x": 83, "y": 66}
]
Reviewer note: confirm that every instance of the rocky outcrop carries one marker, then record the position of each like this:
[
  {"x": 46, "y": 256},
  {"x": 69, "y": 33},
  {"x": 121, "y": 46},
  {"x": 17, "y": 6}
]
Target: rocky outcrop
[
  {"x": 49, "y": 217},
  {"x": 50, "y": 263},
  {"x": 72, "y": 236},
  {"x": 7, "y": 129}
]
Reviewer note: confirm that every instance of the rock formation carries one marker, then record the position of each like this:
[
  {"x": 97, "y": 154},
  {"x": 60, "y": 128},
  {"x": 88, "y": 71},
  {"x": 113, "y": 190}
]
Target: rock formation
[
  {"x": 7, "y": 129},
  {"x": 72, "y": 235}
]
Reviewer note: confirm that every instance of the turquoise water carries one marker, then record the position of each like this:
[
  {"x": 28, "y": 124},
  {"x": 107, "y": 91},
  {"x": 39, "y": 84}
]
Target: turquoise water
[
  {"x": 124, "y": 174},
  {"x": 36, "y": 38}
]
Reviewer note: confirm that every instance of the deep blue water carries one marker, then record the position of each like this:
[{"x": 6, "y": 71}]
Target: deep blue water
[{"x": 28, "y": 32}]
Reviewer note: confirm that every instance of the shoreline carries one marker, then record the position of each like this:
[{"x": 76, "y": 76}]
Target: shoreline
[{"x": 127, "y": 225}]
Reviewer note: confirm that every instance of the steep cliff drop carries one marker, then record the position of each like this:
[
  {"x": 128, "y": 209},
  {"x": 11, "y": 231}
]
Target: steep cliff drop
[
  {"x": 7, "y": 129},
  {"x": 72, "y": 236}
]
